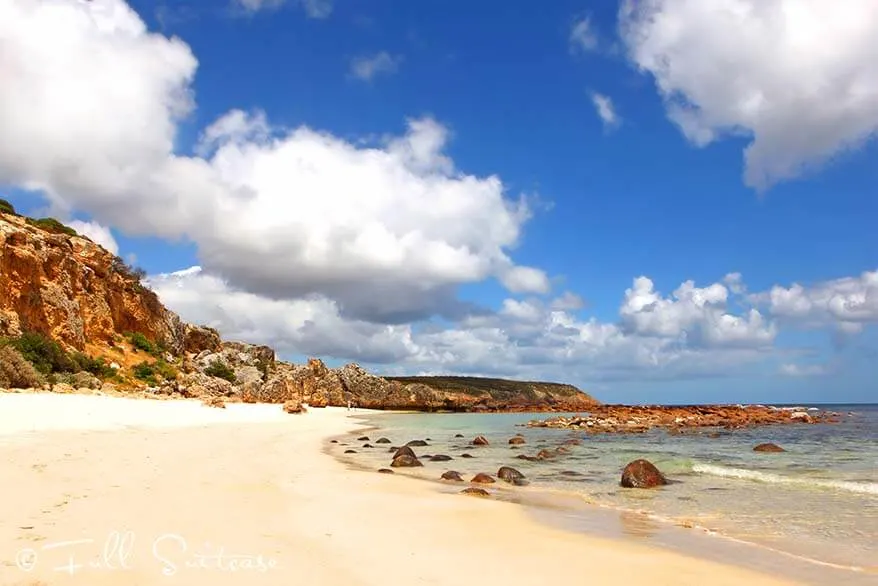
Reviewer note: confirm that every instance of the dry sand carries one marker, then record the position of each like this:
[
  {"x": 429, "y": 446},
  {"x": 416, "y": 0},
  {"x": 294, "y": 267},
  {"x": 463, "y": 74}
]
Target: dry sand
[{"x": 102, "y": 490}]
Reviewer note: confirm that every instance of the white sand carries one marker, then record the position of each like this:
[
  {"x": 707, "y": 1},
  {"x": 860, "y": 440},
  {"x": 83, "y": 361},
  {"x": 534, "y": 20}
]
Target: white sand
[{"x": 191, "y": 481}]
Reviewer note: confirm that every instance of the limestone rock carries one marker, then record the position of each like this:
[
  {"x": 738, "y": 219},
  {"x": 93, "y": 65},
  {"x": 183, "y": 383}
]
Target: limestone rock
[{"x": 642, "y": 474}]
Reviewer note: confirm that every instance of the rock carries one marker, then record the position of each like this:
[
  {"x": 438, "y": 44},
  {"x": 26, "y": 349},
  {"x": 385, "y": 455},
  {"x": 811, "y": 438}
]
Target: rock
[
  {"x": 417, "y": 444},
  {"x": 473, "y": 491},
  {"x": 385, "y": 471},
  {"x": 545, "y": 455},
  {"x": 517, "y": 441},
  {"x": 458, "y": 435},
  {"x": 642, "y": 474},
  {"x": 768, "y": 447},
  {"x": 528, "y": 458},
  {"x": 452, "y": 475},
  {"x": 404, "y": 451},
  {"x": 573, "y": 442},
  {"x": 293, "y": 406},
  {"x": 466, "y": 455},
  {"x": 197, "y": 384},
  {"x": 197, "y": 339},
  {"x": 480, "y": 441},
  {"x": 368, "y": 445},
  {"x": 214, "y": 402},
  {"x": 511, "y": 475},
  {"x": 405, "y": 461},
  {"x": 382, "y": 440},
  {"x": 440, "y": 458},
  {"x": 248, "y": 375},
  {"x": 84, "y": 380},
  {"x": 483, "y": 478},
  {"x": 363, "y": 438},
  {"x": 350, "y": 451},
  {"x": 333, "y": 441},
  {"x": 570, "y": 473}
]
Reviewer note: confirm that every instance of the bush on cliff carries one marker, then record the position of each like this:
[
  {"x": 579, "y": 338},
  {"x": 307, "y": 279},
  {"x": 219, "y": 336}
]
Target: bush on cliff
[
  {"x": 147, "y": 372},
  {"x": 45, "y": 354},
  {"x": 95, "y": 366},
  {"x": 52, "y": 225},
  {"x": 219, "y": 369},
  {"x": 7, "y": 208},
  {"x": 16, "y": 372}
]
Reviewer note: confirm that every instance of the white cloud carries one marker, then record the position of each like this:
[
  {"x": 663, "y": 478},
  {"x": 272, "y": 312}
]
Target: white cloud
[
  {"x": 796, "y": 76},
  {"x": 366, "y": 67},
  {"x": 313, "y": 8},
  {"x": 801, "y": 370},
  {"x": 605, "y": 109},
  {"x": 582, "y": 35},
  {"x": 100, "y": 234},
  {"x": 848, "y": 303},
  {"x": 698, "y": 314},
  {"x": 89, "y": 110},
  {"x": 525, "y": 338}
]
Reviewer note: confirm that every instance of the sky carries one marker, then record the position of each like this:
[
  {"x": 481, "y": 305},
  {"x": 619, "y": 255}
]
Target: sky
[{"x": 657, "y": 201}]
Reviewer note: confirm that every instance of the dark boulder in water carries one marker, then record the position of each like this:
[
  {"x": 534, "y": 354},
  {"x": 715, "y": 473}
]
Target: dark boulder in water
[
  {"x": 350, "y": 451},
  {"x": 452, "y": 475},
  {"x": 642, "y": 474},
  {"x": 511, "y": 475},
  {"x": 364, "y": 438},
  {"x": 405, "y": 461},
  {"x": 466, "y": 455},
  {"x": 768, "y": 447},
  {"x": 385, "y": 471},
  {"x": 517, "y": 441},
  {"x": 458, "y": 435},
  {"x": 483, "y": 478},
  {"x": 473, "y": 491},
  {"x": 528, "y": 458},
  {"x": 404, "y": 451},
  {"x": 382, "y": 440},
  {"x": 440, "y": 458},
  {"x": 417, "y": 444},
  {"x": 480, "y": 440},
  {"x": 545, "y": 455}
]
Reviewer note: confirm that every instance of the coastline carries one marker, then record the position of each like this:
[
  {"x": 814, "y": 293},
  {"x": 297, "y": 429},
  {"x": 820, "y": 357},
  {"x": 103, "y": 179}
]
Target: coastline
[{"x": 254, "y": 481}]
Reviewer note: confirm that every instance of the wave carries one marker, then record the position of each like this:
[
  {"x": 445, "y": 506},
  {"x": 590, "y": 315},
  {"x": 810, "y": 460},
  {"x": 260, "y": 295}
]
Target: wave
[{"x": 769, "y": 477}]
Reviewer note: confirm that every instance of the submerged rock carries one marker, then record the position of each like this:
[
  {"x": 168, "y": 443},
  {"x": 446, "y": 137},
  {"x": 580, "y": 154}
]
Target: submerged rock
[
  {"x": 642, "y": 474},
  {"x": 483, "y": 478},
  {"x": 464, "y": 455},
  {"x": 417, "y": 444},
  {"x": 473, "y": 491},
  {"x": 350, "y": 451},
  {"x": 382, "y": 440},
  {"x": 480, "y": 440},
  {"x": 452, "y": 475},
  {"x": 768, "y": 447},
  {"x": 511, "y": 475},
  {"x": 404, "y": 451},
  {"x": 405, "y": 461},
  {"x": 385, "y": 471},
  {"x": 517, "y": 441},
  {"x": 440, "y": 458},
  {"x": 364, "y": 438}
]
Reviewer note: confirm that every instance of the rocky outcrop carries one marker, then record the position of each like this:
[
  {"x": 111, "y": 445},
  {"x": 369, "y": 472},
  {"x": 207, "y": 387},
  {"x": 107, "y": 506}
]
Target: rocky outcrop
[
  {"x": 675, "y": 419},
  {"x": 768, "y": 447}
]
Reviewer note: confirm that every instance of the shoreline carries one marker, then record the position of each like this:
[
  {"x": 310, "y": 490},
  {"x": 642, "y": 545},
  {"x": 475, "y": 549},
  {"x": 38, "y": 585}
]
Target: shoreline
[{"x": 263, "y": 486}]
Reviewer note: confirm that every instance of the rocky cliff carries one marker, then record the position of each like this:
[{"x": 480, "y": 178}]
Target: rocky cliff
[{"x": 61, "y": 293}]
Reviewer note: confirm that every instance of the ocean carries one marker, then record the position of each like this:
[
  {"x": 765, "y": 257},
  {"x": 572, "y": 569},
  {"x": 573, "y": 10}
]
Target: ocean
[{"x": 812, "y": 509}]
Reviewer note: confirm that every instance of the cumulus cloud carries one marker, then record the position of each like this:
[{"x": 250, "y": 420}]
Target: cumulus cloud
[
  {"x": 89, "y": 111},
  {"x": 605, "y": 109},
  {"x": 99, "y": 234},
  {"x": 366, "y": 67},
  {"x": 848, "y": 303},
  {"x": 529, "y": 338},
  {"x": 798, "y": 77},
  {"x": 582, "y": 35}
]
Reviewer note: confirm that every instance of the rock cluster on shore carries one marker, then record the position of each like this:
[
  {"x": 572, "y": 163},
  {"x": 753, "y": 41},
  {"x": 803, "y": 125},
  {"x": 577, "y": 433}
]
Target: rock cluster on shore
[{"x": 676, "y": 419}]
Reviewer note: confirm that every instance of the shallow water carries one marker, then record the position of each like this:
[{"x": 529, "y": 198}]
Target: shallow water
[{"x": 817, "y": 501}]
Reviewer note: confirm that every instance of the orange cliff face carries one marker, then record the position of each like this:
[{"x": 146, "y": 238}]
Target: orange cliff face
[{"x": 73, "y": 290}]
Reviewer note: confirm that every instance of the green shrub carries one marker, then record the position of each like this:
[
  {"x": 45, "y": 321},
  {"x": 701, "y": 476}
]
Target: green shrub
[
  {"x": 52, "y": 225},
  {"x": 219, "y": 369},
  {"x": 148, "y": 372},
  {"x": 46, "y": 355},
  {"x": 16, "y": 372},
  {"x": 141, "y": 342},
  {"x": 7, "y": 208},
  {"x": 95, "y": 366}
]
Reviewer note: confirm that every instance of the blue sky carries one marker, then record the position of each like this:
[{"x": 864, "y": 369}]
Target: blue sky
[{"x": 449, "y": 187}]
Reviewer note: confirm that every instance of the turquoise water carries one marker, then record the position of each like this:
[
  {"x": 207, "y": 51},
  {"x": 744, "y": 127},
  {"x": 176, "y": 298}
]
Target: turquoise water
[{"x": 817, "y": 501}]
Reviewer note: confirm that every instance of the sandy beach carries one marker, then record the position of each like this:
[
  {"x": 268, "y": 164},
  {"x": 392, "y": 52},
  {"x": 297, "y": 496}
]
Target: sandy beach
[{"x": 104, "y": 490}]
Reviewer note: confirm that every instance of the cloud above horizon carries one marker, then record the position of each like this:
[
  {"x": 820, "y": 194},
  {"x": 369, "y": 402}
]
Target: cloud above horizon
[
  {"x": 795, "y": 77},
  {"x": 367, "y": 67}
]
